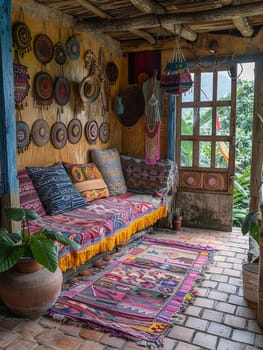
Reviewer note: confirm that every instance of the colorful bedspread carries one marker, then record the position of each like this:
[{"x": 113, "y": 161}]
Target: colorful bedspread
[{"x": 102, "y": 224}]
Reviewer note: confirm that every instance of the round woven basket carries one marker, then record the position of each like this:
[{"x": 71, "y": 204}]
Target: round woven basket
[{"x": 250, "y": 281}]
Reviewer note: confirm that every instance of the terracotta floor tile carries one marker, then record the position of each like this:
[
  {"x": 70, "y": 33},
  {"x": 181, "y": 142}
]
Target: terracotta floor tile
[
  {"x": 90, "y": 334},
  {"x": 68, "y": 342},
  {"x": 112, "y": 341},
  {"x": 21, "y": 344}
]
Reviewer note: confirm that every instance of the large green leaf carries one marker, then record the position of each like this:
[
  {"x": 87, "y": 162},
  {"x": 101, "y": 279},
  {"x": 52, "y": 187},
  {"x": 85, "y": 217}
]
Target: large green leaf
[
  {"x": 45, "y": 253},
  {"x": 59, "y": 237},
  {"x": 252, "y": 224},
  {"x": 17, "y": 214},
  {"x": 11, "y": 238},
  {"x": 9, "y": 255}
]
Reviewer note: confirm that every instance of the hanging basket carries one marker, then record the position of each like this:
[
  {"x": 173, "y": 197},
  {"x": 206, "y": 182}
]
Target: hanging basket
[{"x": 176, "y": 78}]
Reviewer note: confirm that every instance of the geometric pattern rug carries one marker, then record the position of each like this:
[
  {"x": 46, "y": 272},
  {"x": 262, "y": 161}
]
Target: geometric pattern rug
[{"x": 139, "y": 293}]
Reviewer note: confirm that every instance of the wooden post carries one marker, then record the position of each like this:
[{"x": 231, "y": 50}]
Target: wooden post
[
  {"x": 260, "y": 277},
  {"x": 8, "y": 182},
  {"x": 256, "y": 174},
  {"x": 257, "y": 141}
]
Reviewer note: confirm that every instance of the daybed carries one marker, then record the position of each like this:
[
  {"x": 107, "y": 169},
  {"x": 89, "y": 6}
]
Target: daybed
[{"x": 100, "y": 204}]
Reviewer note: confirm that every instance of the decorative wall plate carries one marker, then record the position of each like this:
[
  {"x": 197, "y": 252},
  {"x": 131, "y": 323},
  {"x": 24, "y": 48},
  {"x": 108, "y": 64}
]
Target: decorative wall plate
[
  {"x": 91, "y": 131},
  {"x": 112, "y": 72},
  {"x": 40, "y": 132},
  {"x": 74, "y": 130},
  {"x": 21, "y": 37},
  {"x": 89, "y": 89},
  {"x": 59, "y": 135},
  {"x": 104, "y": 132},
  {"x": 73, "y": 48},
  {"x": 60, "y": 54},
  {"x": 62, "y": 91},
  {"x": 43, "y": 48},
  {"x": 43, "y": 88},
  {"x": 23, "y": 136}
]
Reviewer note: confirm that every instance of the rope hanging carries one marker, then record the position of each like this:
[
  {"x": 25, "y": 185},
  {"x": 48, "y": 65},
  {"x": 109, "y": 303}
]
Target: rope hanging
[{"x": 176, "y": 78}]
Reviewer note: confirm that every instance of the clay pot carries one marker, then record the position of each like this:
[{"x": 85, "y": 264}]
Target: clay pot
[
  {"x": 30, "y": 294},
  {"x": 27, "y": 265}
]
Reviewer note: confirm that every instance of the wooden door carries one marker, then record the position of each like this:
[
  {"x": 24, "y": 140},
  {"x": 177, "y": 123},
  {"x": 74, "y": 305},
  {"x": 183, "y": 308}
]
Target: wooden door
[{"x": 205, "y": 150}]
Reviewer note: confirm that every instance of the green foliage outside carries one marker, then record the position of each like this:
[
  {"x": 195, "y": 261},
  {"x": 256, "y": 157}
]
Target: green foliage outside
[{"x": 244, "y": 117}]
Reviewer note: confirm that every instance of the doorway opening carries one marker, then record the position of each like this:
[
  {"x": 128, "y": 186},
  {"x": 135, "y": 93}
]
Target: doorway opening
[
  {"x": 243, "y": 143},
  {"x": 213, "y": 144}
]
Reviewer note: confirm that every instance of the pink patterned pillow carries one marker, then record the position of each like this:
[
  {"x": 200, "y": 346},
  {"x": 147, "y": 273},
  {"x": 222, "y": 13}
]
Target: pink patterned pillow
[{"x": 29, "y": 198}]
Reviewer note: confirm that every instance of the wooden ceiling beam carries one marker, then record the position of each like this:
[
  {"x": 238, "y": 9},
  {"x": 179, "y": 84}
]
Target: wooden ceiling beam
[
  {"x": 151, "y": 6},
  {"x": 242, "y": 24},
  {"x": 152, "y": 20},
  {"x": 141, "y": 33}
]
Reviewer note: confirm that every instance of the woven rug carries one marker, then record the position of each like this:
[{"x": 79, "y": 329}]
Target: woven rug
[{"x": 139, "y": 293}]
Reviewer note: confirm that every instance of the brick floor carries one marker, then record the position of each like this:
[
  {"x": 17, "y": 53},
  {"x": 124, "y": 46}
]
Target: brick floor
[{"x": 219, "y": 318}]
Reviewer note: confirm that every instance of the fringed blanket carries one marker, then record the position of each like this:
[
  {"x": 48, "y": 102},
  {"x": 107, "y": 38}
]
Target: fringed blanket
[
  {"x": 138, "y": 295},
  {"x": 102, "y": 225}
]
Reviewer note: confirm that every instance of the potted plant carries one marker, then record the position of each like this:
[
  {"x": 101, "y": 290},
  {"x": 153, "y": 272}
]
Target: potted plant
[
  {"x": 30, "y": 294},
  {"x": 252, "y": 225}
]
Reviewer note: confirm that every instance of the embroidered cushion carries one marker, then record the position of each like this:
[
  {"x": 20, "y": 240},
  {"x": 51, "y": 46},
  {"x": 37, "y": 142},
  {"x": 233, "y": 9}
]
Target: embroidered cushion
[
  {"x": 29, "y": 198},
  {"x": 88, "y": 180},
  {"x": 143, "y": 178},
  {"x": 55, "y": 189},
  {"x": 109, "y": 163}
]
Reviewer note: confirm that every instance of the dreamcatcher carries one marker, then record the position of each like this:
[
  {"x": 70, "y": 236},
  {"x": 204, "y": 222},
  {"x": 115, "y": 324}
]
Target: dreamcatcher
[
  {"x": 152, "y": 126},
  {"x": 177, "y": 78}
]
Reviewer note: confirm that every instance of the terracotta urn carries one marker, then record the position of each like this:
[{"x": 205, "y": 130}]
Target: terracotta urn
[{"x": 30, "y": 294}]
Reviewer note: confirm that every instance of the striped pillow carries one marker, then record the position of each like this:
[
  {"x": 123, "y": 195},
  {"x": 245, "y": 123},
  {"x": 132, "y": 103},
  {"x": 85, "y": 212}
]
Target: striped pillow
[
  {"x": 88, "y": 180},
  {"x": 55, "y": 189},
  {"x": 29, "y": 198}
]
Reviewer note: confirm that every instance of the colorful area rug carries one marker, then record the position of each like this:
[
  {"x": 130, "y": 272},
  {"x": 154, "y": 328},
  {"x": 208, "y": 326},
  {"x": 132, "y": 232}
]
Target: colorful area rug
[{"x": 139, "y": 293}]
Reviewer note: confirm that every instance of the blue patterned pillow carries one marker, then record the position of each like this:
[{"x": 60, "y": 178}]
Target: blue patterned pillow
[
  {"x": 109, "y": 163},
  {"x": 55, "y": 189}
]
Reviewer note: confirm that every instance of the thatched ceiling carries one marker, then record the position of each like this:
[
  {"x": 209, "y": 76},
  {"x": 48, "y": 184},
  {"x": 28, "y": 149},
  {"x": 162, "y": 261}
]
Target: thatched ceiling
[{"x": 132, "y": 22}]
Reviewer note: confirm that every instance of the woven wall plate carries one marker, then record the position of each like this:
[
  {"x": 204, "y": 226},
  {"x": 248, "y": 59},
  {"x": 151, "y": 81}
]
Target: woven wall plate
[
  {"x": 40, "y": 132},
  {"x": 74, "y": 130},
  {"x": 91, "y": 131},
  {"x": 104, "y": 132},
  {"x": 43, "y": 88},
  {"x": 60, "y": 54},
  {"x": 73, "y": 48},
  {"x": 43, "y": 48},
  {"x": 112, "y": 72},
  {"x": 21, "y": 36},
  {"x": 58, "y": 135},
  {"x": 134, "y": 104},
  {"x": 23, "y": 136},
  {"x": 62, "y": 91}
]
